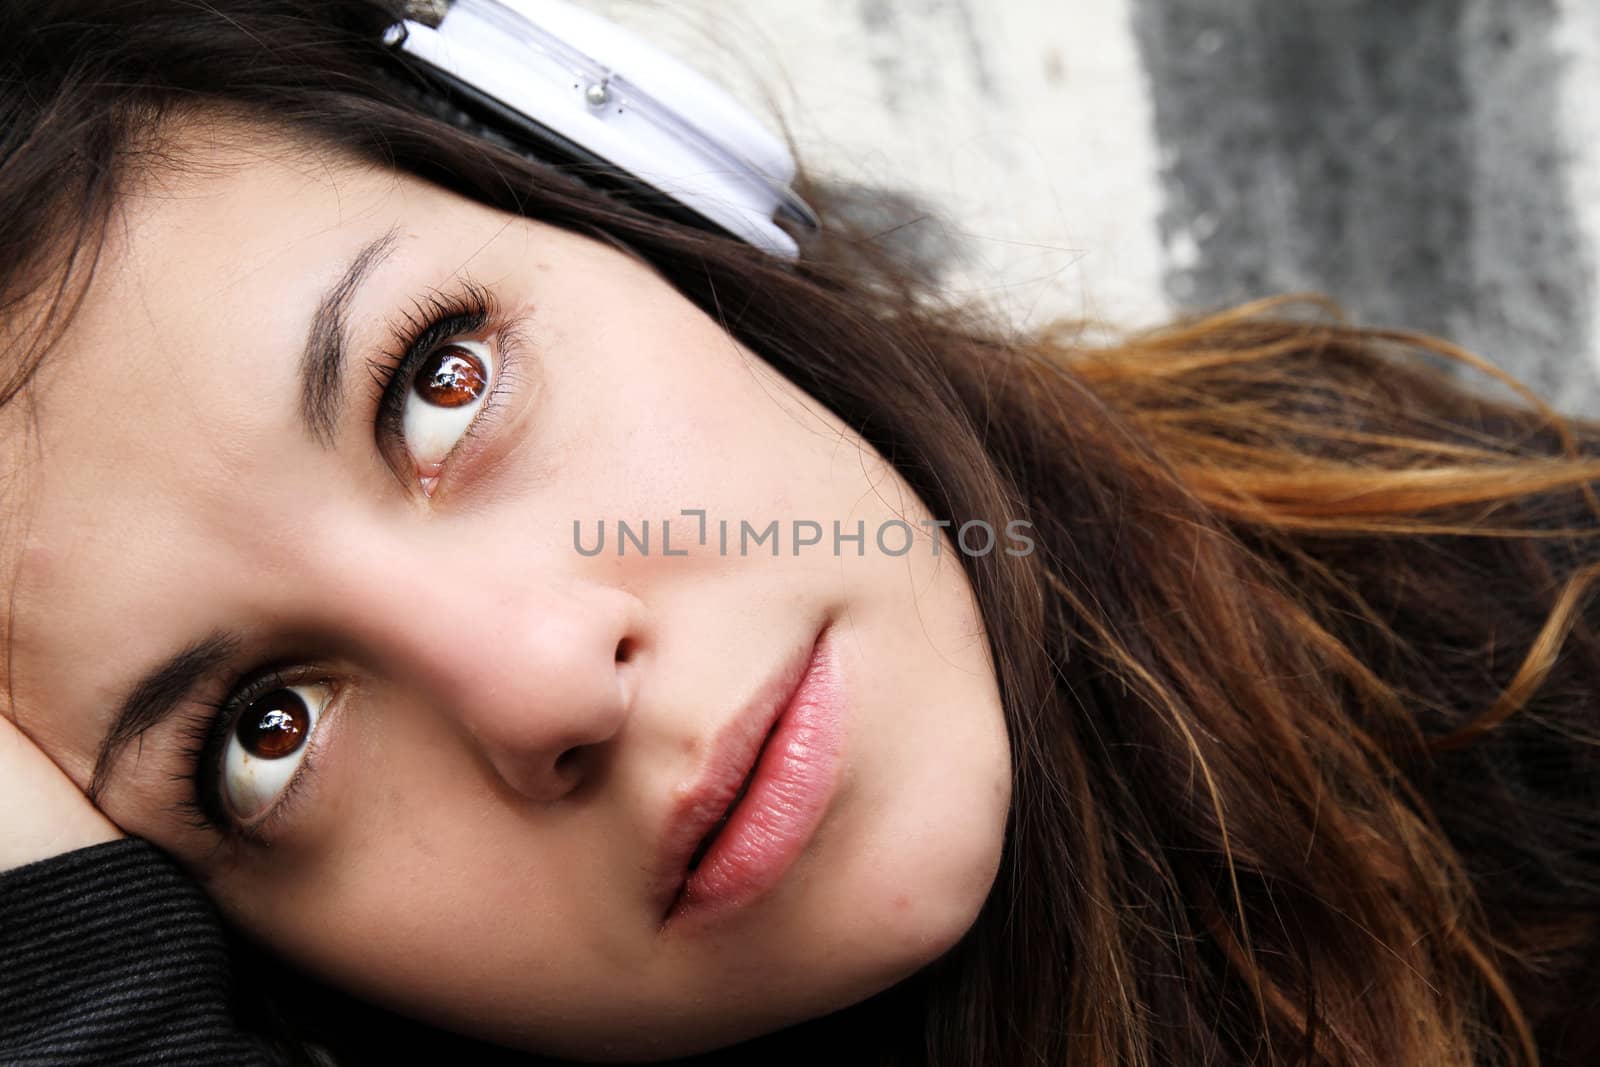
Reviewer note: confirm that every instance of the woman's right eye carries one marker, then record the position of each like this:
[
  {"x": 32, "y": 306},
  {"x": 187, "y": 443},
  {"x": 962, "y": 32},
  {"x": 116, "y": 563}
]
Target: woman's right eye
[{"x": 267, "y": 746}]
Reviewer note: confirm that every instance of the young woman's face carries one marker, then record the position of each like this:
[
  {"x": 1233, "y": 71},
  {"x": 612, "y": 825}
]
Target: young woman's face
[{"x": 459, "y": 750}]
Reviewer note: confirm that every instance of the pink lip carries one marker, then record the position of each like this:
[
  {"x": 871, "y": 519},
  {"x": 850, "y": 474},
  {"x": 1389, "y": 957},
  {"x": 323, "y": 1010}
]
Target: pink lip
[{"x": 786, "y": 742}]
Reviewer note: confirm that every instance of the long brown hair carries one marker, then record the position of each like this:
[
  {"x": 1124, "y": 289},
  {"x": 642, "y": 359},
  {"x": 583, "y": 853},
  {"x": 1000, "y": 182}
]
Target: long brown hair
[{"x": 1300, "y": 680}]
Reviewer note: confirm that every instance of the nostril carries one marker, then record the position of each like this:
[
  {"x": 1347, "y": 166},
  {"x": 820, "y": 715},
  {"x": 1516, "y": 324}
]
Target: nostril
[
  {"x": 625, "y": 650},
  {"x": 568, "y": 761}
]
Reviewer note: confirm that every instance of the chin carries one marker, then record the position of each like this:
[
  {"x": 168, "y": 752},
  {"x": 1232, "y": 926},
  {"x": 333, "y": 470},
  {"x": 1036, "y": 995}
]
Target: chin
[
  {"x": 890, "y": 912},
  {"x": 870, "y": 928},
  {"x": 919, "y": 913},
  {"x": 881, "y": 896}
]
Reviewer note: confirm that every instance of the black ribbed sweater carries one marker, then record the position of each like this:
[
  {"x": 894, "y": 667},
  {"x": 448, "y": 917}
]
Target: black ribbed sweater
[{"x": 110, "y": 955}]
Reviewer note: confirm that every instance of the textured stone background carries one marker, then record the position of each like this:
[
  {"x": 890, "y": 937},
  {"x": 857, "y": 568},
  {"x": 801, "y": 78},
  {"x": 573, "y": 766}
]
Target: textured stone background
[{"x": 1430, "y": 163}]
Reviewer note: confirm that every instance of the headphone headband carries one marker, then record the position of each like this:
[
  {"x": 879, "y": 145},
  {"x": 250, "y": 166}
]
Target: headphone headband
[{"x": 571, "y": 85}]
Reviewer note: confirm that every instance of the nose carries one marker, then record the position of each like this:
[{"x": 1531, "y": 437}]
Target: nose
[
  {"x": 541, "y": 678},
  {"x": 558, "y": 692}
]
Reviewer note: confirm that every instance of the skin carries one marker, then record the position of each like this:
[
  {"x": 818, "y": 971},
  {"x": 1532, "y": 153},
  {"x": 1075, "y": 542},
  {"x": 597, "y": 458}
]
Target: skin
[{"x": 511, "y": 719}]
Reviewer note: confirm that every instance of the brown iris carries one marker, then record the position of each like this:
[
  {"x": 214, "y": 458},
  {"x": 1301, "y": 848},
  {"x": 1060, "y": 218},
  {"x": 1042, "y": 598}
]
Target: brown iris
[
  {"x": 275, "y": 725},
  {"x": 451, "y": 377}
]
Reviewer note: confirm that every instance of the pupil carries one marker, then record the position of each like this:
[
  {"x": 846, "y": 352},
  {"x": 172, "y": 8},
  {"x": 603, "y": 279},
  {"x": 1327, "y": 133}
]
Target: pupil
[
  {"x": 275, "y": 726},
  {"x": 450, "y": 378}
]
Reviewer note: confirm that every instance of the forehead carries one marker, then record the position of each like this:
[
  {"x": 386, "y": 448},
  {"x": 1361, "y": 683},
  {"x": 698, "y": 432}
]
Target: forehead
[{"x": 174, "y": 381}]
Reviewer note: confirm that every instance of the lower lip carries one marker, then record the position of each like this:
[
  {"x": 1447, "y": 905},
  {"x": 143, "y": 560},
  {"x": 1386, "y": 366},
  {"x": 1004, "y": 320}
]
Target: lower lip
[{"x": 788, "y": 796}]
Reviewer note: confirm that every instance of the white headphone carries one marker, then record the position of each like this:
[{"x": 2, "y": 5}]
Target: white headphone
[{"x": 576, "y": 88}]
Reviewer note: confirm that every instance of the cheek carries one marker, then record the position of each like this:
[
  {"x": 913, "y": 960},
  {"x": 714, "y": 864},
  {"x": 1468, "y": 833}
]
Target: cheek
[
  {"x": 934, "y": 777},
  {"x": 425, "y": 892},
  {"x": 663, "y": 406},
  {"x": 941, "y": 805},
  {"x": 429, "y": 926}
]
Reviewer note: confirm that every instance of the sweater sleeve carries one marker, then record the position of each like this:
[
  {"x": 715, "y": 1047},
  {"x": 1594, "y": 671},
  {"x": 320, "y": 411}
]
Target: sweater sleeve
[{"x": 111, "y": 955}]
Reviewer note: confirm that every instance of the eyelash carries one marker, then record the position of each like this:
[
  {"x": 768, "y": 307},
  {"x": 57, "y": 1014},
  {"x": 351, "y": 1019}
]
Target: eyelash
[
  {"x": 206, "y": 738},
  {"x": 435, "y": 319}
]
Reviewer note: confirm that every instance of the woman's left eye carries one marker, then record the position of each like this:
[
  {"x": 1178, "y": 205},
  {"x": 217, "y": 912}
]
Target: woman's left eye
[
  {"x": 442, "y": 399},
  {"x": 267, "y": 745}
]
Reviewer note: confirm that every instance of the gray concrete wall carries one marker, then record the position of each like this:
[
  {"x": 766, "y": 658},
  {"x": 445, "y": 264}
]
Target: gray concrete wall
[{"x": 1430, "y": 163}]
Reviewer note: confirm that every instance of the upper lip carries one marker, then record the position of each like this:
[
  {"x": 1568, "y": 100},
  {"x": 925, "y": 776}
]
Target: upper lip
[{"x": 730, "y": 759}]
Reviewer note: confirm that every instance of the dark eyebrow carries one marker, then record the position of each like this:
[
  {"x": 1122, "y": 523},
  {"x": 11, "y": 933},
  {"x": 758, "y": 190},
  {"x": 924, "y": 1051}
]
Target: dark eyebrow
[
  {"x": 162, "y": 689},
  {"x": 157, "y": 695},
  {"x": 322, "y": 364}
]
